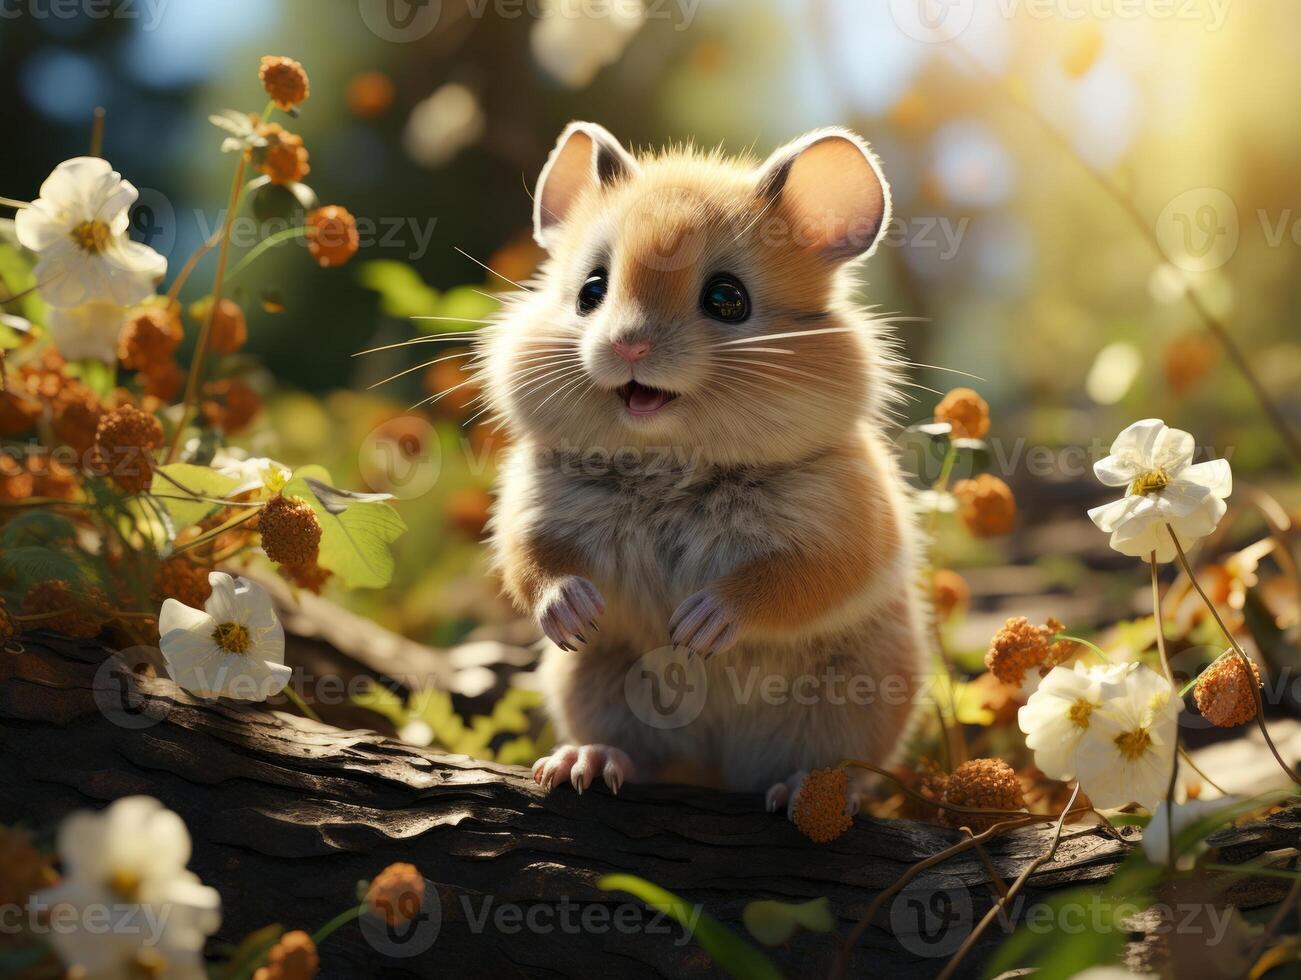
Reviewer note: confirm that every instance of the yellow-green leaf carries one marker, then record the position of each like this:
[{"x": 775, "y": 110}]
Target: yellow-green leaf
[
  {"x": 183, "y": 509},
  {"x": 356, "y": 529}
]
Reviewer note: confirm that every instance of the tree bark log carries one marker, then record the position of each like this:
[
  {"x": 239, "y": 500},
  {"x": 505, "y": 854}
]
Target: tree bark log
[{"x": 288, "y": 815}]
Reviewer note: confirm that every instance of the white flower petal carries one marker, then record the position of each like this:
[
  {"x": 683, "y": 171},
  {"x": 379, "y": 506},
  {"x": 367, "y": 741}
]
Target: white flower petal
[
  {"x": 176, "y": 615},
  {"x": 1215, "y": 475},
  {"x": 87, "y": 332},
  {"x": 1117, "y": 471},
  {"x": 221, "y": 604}
]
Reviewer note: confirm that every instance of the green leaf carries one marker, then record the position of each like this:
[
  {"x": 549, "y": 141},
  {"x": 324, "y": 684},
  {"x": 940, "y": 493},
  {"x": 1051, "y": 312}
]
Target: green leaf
[
  {"x": 434, "y": 707},
  {"x": 356, "y": 529},
  {"x": 184, "y": 511},
  {"x": 728, "y": 950},
  {"x": 402, "y": 293},
  {"x": 469, "y": 304},
  {"x": 773, "y": 923},
  {"x": 37, "y": 527},
  {"x": 251, "y": 951},
  {"x": 382, "y": 701},
  {"x": 29, "y": 564}
]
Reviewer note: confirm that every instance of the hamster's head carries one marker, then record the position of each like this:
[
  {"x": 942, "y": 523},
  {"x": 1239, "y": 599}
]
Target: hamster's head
[{"x": 695, "y": 302}]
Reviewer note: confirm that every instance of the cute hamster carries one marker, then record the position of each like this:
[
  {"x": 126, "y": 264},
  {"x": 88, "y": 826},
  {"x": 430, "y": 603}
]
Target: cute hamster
[{"x": 698, "y": 461}]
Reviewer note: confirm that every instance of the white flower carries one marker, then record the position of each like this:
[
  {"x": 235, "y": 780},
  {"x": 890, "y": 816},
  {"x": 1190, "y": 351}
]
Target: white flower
[
  {"x": 574, "y": 39},
  {"x": 1060, "y": 712},
  {"x": 253, "y": 472},
  {"x": 88, "y": 332},
  {"x": 234, "y": 647},
  {"x": 1129, "y": 750},
  {"x": 1165, "y": 487},
  {"x": 1156, "y": 835},
  {"x": 442, "y": 125},
  {"x": 127, "y": 906},
  {"x": 78, "y": 229}
]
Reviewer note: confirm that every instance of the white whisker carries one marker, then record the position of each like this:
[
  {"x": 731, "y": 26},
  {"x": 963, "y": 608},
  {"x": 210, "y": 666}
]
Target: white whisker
[
  {"x": 781, "y": 336},
  {"x": 491, "y": 269},
  {"x": 426, "y": 364}
]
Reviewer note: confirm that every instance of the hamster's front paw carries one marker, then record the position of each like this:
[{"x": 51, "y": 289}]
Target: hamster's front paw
[
  {"x": 580, "y": 764},
  {"x": 705, "y": 623},
  {"x": 571, "y": 606}
]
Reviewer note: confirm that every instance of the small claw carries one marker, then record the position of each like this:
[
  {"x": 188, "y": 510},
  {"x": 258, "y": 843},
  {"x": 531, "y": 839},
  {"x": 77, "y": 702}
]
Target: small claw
[
  {"x": 592, "y": 623},
  {"x": 581, "y": 637}
]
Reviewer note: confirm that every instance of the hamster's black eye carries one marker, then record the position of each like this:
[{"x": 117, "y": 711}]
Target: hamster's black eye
[
  {"x": 593, "y": 292},
  {"x": 725, "y": 299}
]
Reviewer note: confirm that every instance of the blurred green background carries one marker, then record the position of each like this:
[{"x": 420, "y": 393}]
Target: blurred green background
[{"x": 994, "y": 119}]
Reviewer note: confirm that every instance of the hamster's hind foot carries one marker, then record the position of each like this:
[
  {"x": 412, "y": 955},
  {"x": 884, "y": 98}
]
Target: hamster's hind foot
[{"x": 580, "y": 764}]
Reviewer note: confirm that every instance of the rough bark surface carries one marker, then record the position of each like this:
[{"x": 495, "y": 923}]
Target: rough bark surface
[{"x": 288, "y": 815}]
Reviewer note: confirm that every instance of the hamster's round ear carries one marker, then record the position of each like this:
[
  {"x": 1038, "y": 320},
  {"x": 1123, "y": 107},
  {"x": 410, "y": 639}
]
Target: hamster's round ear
[
  {"x": 586, "y": 156},
  {"x": 832, "y": 191}
]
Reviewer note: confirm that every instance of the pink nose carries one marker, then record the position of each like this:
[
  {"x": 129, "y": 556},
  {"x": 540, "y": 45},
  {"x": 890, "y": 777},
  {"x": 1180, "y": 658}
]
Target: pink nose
[{"x": 632, "y": 353}]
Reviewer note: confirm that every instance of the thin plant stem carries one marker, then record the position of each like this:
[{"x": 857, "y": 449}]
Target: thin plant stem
[
  {"x": 195, "y": 376},
  {"x": 10, "y": 202},
  {"x": 1101, "y": 654},
  {"x": 1246, "y": 661},
  {"x": 1160, "y": 622},
  {"x": 1184, "y": 754},
  {"x": 342, "y": 919},
  {"x": 217, "y": 531},
  {"x": 97, "y": 132},
  {"x": 271, "y": 241},
  {"x": 1159, "y": 619},
  {"x": 302, "y": 705},
  {"x": 974, "y": 936}
]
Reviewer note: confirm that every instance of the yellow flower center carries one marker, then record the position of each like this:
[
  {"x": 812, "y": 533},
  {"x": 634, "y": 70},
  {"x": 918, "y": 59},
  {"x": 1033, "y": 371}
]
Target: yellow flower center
[
  {"x": 125, "y": 884},
  {"x": 231, "y": 636},
  {"x": 1079, "y": 713},
  {"x": 1133, "y": 744},
  {"x": 91, "y": 236},
  {"x": 1150, "y": 482}
]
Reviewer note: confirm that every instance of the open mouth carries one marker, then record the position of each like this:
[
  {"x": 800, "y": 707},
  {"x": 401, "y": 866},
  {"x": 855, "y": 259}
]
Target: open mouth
[{"x": 643, "y": 400}]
